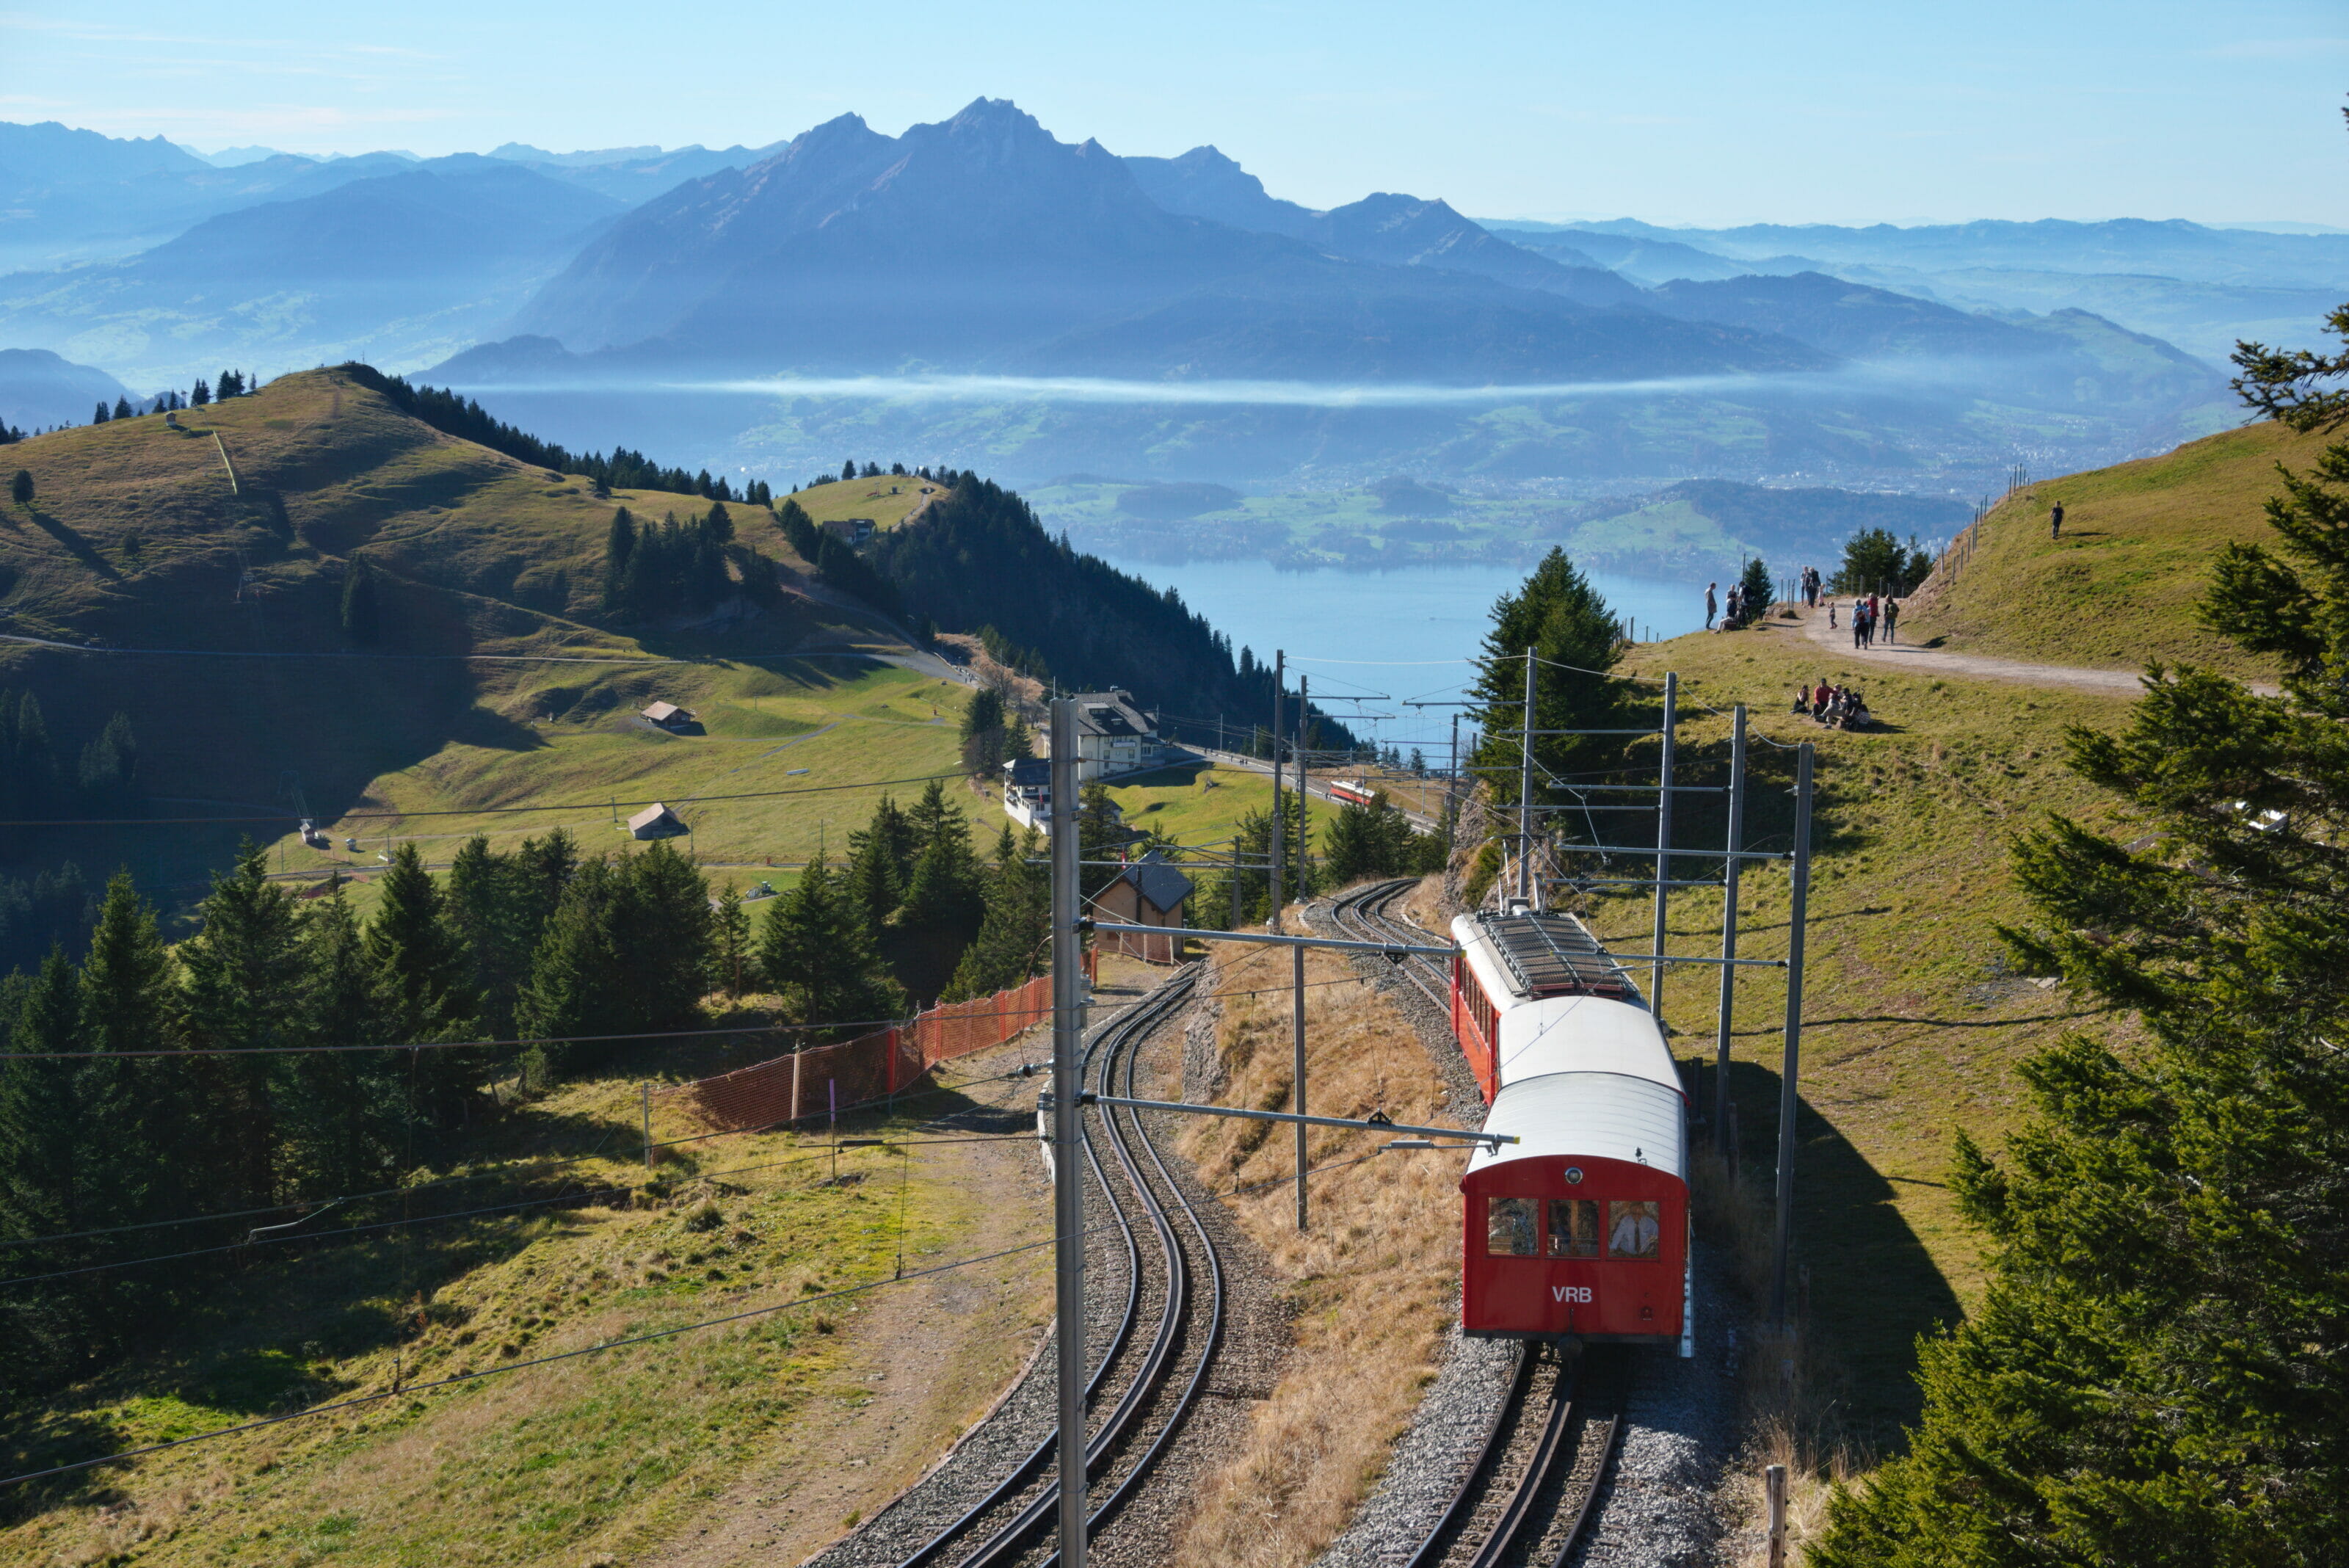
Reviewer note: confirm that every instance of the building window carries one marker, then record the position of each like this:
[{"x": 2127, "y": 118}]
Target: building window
[
  {"x": 1634, "y": 1229},
  {"x": 1509, "y": 1228},
  {"x": 1573, "y": 1227}
]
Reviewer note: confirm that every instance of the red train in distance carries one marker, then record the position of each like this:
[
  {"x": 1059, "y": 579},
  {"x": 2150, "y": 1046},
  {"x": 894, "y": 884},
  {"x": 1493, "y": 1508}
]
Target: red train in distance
[
  {"x": 1351, "y": 792},
  {"x": 1580, "y": 1230}
]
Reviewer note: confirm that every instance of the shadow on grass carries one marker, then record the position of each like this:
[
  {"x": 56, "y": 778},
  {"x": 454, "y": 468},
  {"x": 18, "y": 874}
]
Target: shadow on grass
[
  {"x": 1872, "y": 1286},
  {"x": 81, "y": 549}
]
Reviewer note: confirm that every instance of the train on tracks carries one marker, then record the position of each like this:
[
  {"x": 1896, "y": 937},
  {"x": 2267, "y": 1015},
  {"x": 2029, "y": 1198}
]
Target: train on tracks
[
  {"x": 1579, "y": 1230},
  {"x": 1351, "y": 792}
]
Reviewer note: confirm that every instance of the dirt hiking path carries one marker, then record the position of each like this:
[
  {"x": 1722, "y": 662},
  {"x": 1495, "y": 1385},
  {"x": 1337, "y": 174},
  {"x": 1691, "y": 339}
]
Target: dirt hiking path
[{"x": 1912, "y": 658}]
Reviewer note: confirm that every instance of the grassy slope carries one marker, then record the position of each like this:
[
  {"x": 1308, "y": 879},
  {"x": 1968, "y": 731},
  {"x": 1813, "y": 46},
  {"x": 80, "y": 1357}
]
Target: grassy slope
[
  {"x": 1912, "y": 1022},
  {"x": 614, "y": 1453},
  {"x": 2119, "y": 588},
  {"x": 1172, "y": 801},
  {"x": 482, "y": 559},
  {"x": 864, "y": 498}
]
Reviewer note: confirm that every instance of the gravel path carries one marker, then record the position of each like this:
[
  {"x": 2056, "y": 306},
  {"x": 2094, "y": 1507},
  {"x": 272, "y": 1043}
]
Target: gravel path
[{"x": 1915, "y": 659}]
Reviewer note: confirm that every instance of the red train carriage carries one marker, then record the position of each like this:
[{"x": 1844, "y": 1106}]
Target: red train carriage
[
  {"x": 1581, "y": 1227},
  {"x": 1353, "y": 791}
]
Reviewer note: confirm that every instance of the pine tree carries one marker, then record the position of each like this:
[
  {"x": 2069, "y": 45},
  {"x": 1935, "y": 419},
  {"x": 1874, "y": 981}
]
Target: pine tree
[
  {"x": 1101, "y": 838},
  {"x": 848, "y": 469},
  {"x": 1754, "y": 589},
  {"x": 122, "y": 409},
  {"x": 983, "y": 733},
  {"x": 497, "y": 913},
  {"x": 362, "y": 620},
  {"x": 815, "y": 950},
  {"x": 199, "y": 394},
  {"x": 578, "y": 970}
]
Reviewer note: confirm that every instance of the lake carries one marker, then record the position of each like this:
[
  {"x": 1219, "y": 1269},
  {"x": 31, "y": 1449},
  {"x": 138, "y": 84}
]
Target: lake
[{"x": 1383, "y": 637}]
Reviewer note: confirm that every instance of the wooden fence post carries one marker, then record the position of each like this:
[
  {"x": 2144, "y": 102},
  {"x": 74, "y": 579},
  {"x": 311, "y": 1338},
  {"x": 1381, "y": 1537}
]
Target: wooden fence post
[{"x": 1774, "y": 1486}]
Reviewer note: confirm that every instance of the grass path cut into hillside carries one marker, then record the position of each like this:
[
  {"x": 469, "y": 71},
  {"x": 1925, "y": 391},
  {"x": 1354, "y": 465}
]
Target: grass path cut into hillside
[{"x": 1912, "y": 1022}]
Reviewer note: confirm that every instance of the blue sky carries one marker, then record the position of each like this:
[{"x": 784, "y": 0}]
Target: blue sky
[{"x": 1697, "y": 112}]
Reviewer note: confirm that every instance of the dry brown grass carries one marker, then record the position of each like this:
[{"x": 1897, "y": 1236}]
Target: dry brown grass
[{"x": 1372, "y": 1282}]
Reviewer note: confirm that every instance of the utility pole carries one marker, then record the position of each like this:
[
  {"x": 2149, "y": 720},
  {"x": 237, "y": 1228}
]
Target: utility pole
[
  {"x": 1297, "y": 1020},
  {"x": 1729, "y": 923},
  {"x": 1452, "y": 789},
  {"x": 1664, "y": 843},
  {"x": 1789, "y": 1068},
  {"x": 1068, "y": 1132},
  {"x": 1273, "y": 839},
  {"x": 1525, "y": 789}
]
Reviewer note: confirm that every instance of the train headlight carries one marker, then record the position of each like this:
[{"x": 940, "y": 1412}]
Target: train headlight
[{"x": 1574, "y": 1176}]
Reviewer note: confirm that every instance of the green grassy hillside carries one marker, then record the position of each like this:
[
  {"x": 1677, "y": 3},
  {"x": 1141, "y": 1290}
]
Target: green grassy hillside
[
  {"x": 497, "y": 679},
  {"x": 2119, "y": 588}
]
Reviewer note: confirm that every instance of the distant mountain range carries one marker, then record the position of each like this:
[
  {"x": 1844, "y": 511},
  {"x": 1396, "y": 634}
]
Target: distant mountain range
[
  {"x": 644, "y": 295},
  {"x": 40, "y": 390},
  {"x": 402, "y": 265}
]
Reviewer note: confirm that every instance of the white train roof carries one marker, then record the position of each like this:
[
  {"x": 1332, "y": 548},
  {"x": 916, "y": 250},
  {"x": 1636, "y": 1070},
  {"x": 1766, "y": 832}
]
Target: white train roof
[
  {"x": 1519, "y": 957},
  {"x": 1589, "y": 1115},
  {"x": 1583, "y": 1034}
]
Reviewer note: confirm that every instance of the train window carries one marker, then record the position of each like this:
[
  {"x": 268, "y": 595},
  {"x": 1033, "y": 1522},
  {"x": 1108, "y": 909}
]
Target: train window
[
  {"x": 1634, "y": 1229},
  {"x": 1574, "y": 1228},
  {"x": 1509, "y": 1227}
]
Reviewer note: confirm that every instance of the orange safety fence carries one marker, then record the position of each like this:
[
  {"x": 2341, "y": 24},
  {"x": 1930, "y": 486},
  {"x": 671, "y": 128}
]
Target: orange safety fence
[{"x": 825, "y": 1079}]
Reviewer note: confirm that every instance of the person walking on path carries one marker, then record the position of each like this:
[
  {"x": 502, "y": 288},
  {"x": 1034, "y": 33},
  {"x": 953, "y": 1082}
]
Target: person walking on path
[
  {"x": 1892, "y": 621},
  {"x": 1711, "y": 605},
  {"x": 1859, "y": 623},
  {"x": 2056, "y": 522},
  {"x": 1831, "y": 615}
]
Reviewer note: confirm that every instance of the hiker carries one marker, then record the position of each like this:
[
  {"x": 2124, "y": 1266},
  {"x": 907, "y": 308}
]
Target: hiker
[
  {"x": 2056, "y": 522},
  {"x": 1709, "y": 605},
  {"x": 1892, "y": 620},
  {"x": 1859, "y": 623},
  {"x": 1831, "y": 619}
]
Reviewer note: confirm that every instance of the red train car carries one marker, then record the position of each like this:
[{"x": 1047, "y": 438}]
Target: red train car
[
  {"x": 1581, "y": 1227},
  {"x": 1353, "y": 791}
]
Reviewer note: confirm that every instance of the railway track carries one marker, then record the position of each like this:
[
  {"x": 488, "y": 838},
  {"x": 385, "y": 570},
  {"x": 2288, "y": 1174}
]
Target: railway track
[
  {"x": 1534, "y": 1485},
  {"x": 1146, "y": 1375}
]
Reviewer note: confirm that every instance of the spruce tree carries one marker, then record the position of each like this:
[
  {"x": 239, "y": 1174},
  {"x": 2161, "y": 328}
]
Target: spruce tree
[
  {"x": 816, "y": 950},
  {"x": 343, "y": 1114},
  {"x": 102, "y": 415},
  {"x": 427, "y": 982},
  {"x": 122, "y": 409},
  {"x": 1013, "y": 935},
  {"x": 732, "y": 965},
  {"x": 241, "y": 990},
  {"x": 109, "y": 767},
  {"x": 362, "y": 617},
  {"x": 146, "y": 1166},
  {"x": 1567, "y": 625},
  {"x": 47, "y": 1152},
  {"x": 619, "y": 547},
  {"x": 943, "y": 894},
  {"x": 578, "y": 969},
  {"x": 199, "y": 394},
  {"x": 1754, "y": 589},
  {"x": 880, "y": 862}
]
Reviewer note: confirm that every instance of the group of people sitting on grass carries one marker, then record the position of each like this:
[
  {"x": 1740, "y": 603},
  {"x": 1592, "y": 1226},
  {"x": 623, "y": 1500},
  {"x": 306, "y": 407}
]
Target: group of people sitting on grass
[{"x": 1837, "y": 707}]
